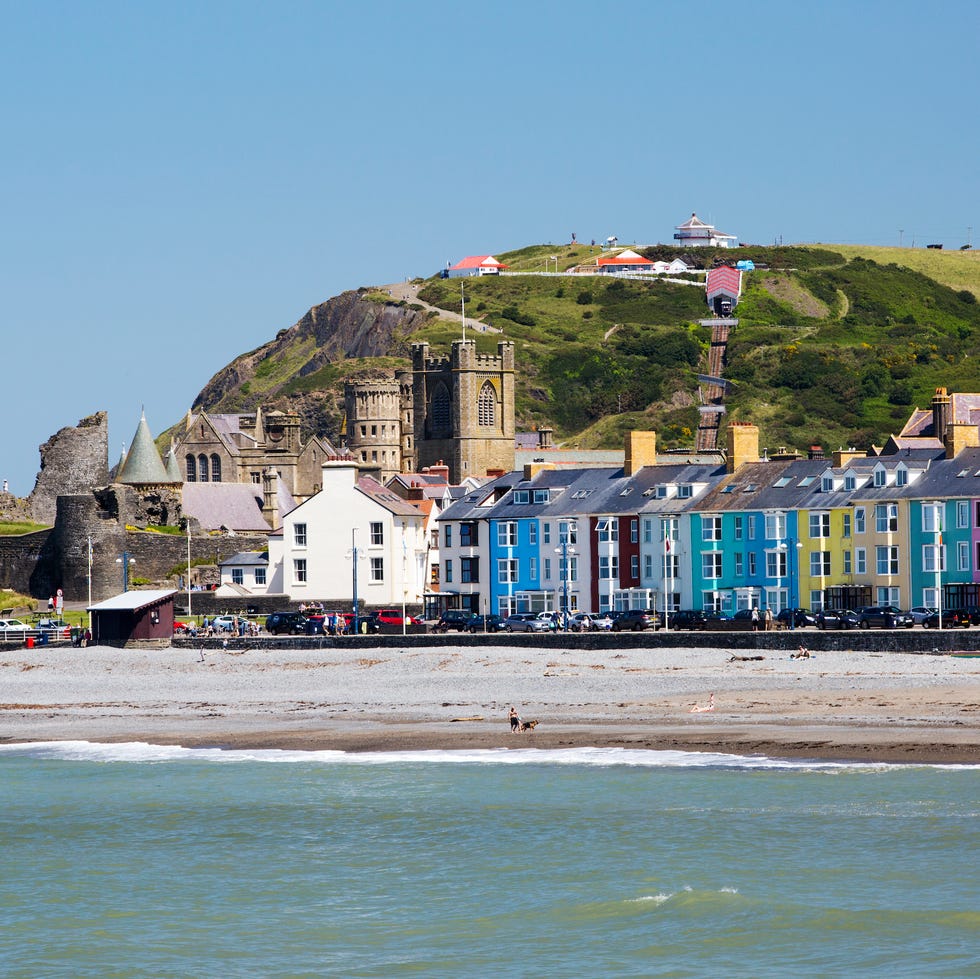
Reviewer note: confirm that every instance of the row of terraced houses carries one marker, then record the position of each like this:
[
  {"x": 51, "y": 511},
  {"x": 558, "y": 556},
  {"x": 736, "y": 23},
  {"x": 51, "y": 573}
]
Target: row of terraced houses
[{"x": 897, "y": 526}]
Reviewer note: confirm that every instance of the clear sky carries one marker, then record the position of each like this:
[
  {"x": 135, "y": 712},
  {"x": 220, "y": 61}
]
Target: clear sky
[{"x": 181, "y": 180}]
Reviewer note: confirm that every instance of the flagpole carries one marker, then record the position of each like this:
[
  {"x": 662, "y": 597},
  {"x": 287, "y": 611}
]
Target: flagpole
[{"x": 462, "y": 306}]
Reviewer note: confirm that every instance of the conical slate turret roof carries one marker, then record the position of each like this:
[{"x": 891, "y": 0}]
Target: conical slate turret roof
[
  {"x": 143, "y": 463},
  {"x": 173, "y": 470}
]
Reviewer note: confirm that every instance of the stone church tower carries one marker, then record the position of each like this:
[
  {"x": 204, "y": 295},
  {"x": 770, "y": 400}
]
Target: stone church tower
[{"x": 464, "y": 409}]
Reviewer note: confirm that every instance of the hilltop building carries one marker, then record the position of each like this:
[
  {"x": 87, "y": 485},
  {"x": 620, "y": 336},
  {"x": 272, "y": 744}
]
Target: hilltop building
[
  {"x": 474, "y": 265},
  {"x": 694, "y": 233}
]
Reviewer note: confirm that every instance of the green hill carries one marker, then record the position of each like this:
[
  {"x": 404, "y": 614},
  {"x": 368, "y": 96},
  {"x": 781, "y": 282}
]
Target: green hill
[{"x": 834, "y": 344}]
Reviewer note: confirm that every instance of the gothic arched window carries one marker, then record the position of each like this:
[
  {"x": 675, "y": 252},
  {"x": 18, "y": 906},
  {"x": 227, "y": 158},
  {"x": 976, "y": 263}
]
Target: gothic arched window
[
  {"x": 441, "y": 411},
  {"x": 215, "y": 468},
  {"x": 202, "y": 468},
  {"x": 191, "y": 464},
  {"x": 487, "y": 405}
]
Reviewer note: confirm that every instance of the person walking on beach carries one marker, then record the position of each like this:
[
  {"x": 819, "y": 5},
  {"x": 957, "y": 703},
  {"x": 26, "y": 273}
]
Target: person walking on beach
[{"x": 515, "y": 720}]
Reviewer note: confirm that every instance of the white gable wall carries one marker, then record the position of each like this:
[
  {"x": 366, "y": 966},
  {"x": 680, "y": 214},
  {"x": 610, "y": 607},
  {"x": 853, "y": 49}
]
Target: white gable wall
[{"x": 318, "y": 538}]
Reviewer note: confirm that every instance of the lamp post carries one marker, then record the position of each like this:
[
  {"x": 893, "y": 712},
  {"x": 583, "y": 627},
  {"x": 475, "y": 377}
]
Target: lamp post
[
  {"x": 90, "y": 581},
  {"x": 938, "y": 530},
  {"x": 354, "y": 555},
  {"x": 564, "y": 550},
  {"x": 792, "y": 546},
  {"x": 125, "y": 561},
  {"x": 188, "y": 569}
]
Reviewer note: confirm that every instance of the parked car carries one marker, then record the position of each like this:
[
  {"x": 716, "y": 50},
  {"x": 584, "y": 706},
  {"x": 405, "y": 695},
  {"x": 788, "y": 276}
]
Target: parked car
[
  {"x": 526, "y": 622},
  {"x": 180, "y": 627},
  {"x": 716, "y": 616},
  {"x": 392, "y": 616},
  {"x": 453, "y": 618},
  {"x": 837, "y": 618},
  {"x": 951, "y": 618},
  {"x": 884, "y": 617},
  {"x": 589, "y": 622},
  {"x": 799, "y": 617},
  {"x": 636, "y": 620},
  {"x": 292, "y": 623},
  {"x": 484, "y": 623},
  {"x": 922, "y": 612},
  {"x": 688, "y": 618},
  {"x": 13, "y": 625},
  {"x": 223, "y": 623}
]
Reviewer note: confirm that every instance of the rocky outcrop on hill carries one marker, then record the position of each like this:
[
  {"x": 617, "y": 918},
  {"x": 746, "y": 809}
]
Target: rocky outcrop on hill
[{"x": 352, "y": 325}]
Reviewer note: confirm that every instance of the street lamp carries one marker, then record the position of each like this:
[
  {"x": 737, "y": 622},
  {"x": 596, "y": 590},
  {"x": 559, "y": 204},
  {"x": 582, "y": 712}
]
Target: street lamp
[
  {"x": 125, "y": 561},
  {"x": 354, "y": 555},
  {"x": 938, "y": 531},
  {"x": 792, "y": 545},
  {"x": 564, "y": 550}
]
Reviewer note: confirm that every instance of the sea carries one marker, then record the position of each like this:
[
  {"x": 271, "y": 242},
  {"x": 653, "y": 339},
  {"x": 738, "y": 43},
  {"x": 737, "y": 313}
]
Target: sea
[{"x": 132, "y": 860}]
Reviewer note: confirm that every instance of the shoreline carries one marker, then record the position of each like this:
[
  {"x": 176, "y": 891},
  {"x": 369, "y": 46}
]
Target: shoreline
[{"x": 841, "y": 705}]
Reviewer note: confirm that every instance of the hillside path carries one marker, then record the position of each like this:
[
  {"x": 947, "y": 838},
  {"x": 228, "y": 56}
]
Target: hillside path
[{"x": 409, "y": 292}]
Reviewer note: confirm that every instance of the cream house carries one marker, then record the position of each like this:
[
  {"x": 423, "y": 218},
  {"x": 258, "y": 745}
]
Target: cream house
[{"x": 352, "y": 529}]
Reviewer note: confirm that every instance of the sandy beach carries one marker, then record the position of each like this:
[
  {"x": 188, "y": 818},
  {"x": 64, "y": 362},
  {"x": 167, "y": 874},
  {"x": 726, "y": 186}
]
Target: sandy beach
[{"x": 881, "y": 706}]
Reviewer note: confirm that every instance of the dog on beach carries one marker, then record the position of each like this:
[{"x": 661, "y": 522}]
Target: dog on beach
[{"x": 528, "y": 726}]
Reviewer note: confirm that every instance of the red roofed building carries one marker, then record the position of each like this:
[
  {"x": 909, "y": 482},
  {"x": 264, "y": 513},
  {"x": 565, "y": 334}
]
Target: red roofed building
[
  {"x": 475, "y": 265},
  {"x": 723, "y": 286},
  {"x": 625, "y": 261}
]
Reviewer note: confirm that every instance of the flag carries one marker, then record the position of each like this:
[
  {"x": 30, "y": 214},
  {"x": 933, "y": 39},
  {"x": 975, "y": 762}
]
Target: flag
[{"x": 667, "y": 544}]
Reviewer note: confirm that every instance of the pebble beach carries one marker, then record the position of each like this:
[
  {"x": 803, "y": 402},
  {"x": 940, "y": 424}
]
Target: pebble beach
[{"x": 869, "y": 706}]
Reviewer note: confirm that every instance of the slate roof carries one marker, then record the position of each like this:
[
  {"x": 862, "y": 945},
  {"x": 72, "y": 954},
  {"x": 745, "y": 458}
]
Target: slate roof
[
  {"x": 385, "y": 497},
  {"x": 143, "y": 464},
  {"x": 964, "y": 410},
  {"x": 237, "y": 506},
  {"x": 247, "y": 559},
  {"x": 586, "y": 492},
  {"x": 948, "y": 478}
]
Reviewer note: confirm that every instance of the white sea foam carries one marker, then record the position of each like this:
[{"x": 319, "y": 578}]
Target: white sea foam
[{"x": 140, "y": 752}]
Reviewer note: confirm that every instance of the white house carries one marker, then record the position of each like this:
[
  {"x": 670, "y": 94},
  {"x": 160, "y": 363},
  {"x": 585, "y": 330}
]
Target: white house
[
  {"x": 475, "y": 265},
  {"x": 695, "y": 233},
  {"x": 351, "y": 521},
  {"x": 245, "y": 573}
]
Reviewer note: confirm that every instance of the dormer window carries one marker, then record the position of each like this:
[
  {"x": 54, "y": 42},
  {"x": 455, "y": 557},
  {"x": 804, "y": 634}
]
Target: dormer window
[
  {"x": 881, "y": 477},
  {"x": 542, "y": 496},
  {"x": 850, "y": 481},
  {"x": 901, "y": 476},
  {"x": 685, "y": 492},
  {"x": 827, "y": 484},
  {"x": 522, "y": 496}
]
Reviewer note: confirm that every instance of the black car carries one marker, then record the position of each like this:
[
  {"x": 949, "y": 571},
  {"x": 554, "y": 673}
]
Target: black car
[
  {"x": 688, "y": 618},
  {"x": 292, "y": 623},
  {"x": 799, "y": 617},
  {"x": 636, "y": 620},
  {"x": 836, "y": 618},
  {"x": 453, "y": 618},
  {"x": 484, "y": 623},
  {"x": 885, "y": 617},
  {"x": 951, "y": 618}
]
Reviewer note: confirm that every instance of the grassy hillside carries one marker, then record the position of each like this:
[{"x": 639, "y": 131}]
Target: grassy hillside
[
  {"x": 829, "y": 348},
  {"x": 835, "y": 344}
]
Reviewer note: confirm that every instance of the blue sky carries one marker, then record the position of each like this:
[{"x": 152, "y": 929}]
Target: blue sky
[{"x": 180, "y": 181}]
